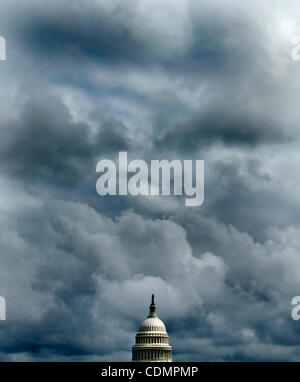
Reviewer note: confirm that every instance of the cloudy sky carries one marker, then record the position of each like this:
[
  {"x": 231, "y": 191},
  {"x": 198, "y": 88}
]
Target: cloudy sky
[{"x": 160, "y": 79}]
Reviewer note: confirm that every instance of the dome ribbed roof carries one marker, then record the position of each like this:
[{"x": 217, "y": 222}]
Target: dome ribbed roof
[{"x": 153, "y": 324}]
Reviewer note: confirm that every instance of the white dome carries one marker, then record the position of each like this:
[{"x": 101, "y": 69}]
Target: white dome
[{"x": 153, "y": 324}]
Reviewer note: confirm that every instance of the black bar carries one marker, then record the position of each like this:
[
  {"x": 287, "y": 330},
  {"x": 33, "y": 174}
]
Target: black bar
[{"x": 99, "y": 370}]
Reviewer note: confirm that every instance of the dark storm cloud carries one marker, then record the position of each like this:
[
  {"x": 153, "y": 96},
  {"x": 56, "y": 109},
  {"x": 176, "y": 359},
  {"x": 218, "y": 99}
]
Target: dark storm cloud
[
  {"x": 238, "y": 200},
  {"x": 85, "y": 33},
  {"x": 225, "y": 127},
  {"x": 222, "y": 50},
  {"x": 45, "y": 145},
  {"x": 124, "y": 35},
  {"x": 98, "y": 39}
]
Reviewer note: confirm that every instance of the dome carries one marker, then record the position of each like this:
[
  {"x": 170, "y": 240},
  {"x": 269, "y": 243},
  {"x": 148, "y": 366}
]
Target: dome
[
  {"x": 153, "y": 324},
  {"x": 152, "y": 340}
]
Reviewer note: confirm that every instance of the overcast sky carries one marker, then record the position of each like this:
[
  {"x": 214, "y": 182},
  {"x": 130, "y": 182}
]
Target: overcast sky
[{"x": 184, "y": 79}]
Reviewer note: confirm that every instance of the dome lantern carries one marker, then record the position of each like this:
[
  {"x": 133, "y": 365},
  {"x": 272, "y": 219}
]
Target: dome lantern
[{"x": 152, "y": 308}]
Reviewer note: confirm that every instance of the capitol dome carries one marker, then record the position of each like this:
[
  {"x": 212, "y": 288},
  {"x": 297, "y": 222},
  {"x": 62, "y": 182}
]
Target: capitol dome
[
  {"x": 152, "y": 324},
  {"x": 152, "y": 340}
]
